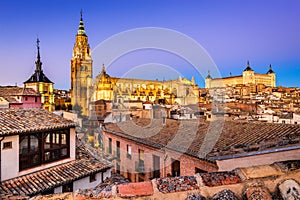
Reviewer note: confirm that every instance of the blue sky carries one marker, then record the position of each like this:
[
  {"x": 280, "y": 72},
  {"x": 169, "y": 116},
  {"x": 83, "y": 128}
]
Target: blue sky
[{"x": 232, "y": 32}]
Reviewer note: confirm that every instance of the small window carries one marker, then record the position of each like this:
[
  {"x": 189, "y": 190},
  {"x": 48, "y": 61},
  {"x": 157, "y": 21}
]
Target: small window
[
  {"x": 26, "y": 98},
  {"x": 93, "y": 178},
  {"x": 110, "y": 145},
  {"x": 7, "y": 145},
  {"x": 68, "y": 187},
  {"x": 129, "y": 151}
]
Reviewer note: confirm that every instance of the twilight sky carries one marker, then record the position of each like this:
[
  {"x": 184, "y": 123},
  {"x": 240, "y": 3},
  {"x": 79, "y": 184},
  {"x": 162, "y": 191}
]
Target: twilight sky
[{"x": 231, "y": 31}]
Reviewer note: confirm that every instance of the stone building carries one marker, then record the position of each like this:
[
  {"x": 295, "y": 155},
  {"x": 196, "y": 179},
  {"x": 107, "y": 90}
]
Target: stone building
[
  {"x": 81, "y": 70},
  {"x": 249, "y": 77},
  {"x": 41, "y": 84},
  {"x": 118, "y": 90},
  {"x": 147, "y": 148}
]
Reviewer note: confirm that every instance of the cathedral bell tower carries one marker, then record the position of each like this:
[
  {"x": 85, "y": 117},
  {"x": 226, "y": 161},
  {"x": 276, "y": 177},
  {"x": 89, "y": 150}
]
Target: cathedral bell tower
[{"x": 81, "y": 71}]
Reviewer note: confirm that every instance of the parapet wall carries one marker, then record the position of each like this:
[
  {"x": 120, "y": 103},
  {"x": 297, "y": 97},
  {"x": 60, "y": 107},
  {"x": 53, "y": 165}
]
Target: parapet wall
[
  {"x": 276, "y": 181},
  {"x": 243, "y": 183}
]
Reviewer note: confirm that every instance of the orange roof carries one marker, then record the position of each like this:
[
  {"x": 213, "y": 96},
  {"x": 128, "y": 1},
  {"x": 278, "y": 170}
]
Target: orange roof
[
  {"x": 19, "y": 121},
  {"x": 37, "y": 182},
  {"x": 235, "y": 137}
]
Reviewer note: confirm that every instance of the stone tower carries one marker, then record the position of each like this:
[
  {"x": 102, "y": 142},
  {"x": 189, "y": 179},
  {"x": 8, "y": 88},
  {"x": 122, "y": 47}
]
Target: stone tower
[
  {"x": 248, "y": 75},
  {"x": 272, "y": 74},
  {"x": 81, "y": 71},
  {"x": 208, "y": 80}
]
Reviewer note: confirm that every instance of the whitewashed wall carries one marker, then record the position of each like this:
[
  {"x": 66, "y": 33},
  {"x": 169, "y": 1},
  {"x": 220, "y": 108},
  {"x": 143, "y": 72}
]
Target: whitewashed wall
[
  {"x": 58, "y": 190},
  {"x": 10, "y": 158}
]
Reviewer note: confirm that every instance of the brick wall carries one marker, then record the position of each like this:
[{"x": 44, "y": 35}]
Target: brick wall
[{"x": 128, "y": 165}]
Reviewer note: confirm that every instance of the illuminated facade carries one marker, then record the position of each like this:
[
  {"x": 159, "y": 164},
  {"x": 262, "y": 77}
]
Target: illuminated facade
[
  {"x": 247, "y": 78},
  {"x": 41, "y": 84},
  {"x": 118, "y": 90},
  {"x": 81, "y": 70},
  {"x": 179, "y": 91}
]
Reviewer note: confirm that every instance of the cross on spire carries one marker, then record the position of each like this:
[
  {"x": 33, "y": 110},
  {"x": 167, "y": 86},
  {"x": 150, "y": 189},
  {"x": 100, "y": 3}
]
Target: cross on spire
[{"x": 38, "y": 62}]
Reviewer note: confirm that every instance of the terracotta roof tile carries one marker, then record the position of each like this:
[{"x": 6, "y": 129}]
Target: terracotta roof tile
[
  {"x": 256, "y": 193},
  {"x": 37, "y": 182},
  {"x": 19, "y": 121},
  {"x": 289, "y": 165},
  {"x": 17, "y": 91},
  {"x": 177, "y": 184},
  {"x": 104, "y": 189},
  {"x": 225, "y": 195},
  {"x": 233, "y": 138},
  {"x": 196, "y": 196},
  {"x": 220, "y": 178}
]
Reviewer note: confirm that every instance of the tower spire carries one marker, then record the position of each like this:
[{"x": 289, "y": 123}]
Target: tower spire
[
  {"x": 38, "y": 62},
  {"x": 81, "y": 30},
  {"x": 208, "y": 75},
  {"x": 248, "y": 68},
  {"x": 103, "y": 69},
  {"x": 270, "y": 70}
]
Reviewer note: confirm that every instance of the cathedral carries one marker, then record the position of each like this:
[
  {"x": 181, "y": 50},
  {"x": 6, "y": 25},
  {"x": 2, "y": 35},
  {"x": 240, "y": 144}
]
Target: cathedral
[
  {"x": 247, "y": 78},
  {"x": 119, "y": 90},
  {"x": 85, "y": 90}
]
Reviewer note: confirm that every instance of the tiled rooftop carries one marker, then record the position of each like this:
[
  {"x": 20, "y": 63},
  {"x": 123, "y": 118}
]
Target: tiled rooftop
[
  {"x": 289, "y": 165},
  {"x": 17, "y": 91},
  {"x": 43, "y": 180},
  {"x": 19, "y": 121},
  {"x": 104, "y": 189},
  {"x": 12, "y": 100},
  {"x": 233, "y": 137},
  {"x": 177, "y": 184},
  {"x": 225, "y": 195},
  {"x": 192, "y": 188},
  {"x": 220, "y": 178}
]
